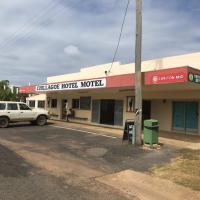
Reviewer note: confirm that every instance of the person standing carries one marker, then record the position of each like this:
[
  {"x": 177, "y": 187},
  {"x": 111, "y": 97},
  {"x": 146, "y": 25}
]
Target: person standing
[{"x": 67, "y": 110}]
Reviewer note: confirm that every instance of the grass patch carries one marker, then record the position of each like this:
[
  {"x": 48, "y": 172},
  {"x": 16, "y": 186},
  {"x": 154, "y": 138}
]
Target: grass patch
[{"x": 183, "y": 170}]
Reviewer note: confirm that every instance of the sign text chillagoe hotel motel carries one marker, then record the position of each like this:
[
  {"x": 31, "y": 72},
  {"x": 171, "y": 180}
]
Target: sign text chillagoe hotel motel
[{"x": 84, "y": 84}]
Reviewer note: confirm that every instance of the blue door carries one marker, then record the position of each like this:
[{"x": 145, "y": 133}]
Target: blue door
[
  {"x": 96, "y": 111},
  {"x": 191, "y": 121},
  {"x": 179, "y": 115},
  {"x": 118, "y": 113},
  {"x": 185, "y": 116}
]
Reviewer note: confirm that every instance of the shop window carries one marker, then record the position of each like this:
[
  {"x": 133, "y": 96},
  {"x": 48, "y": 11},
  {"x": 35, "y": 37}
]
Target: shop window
[
  {"x": 130, "y": 104},
  {"x": 41, "y": 104},
  {"x": 32, "y": 104},
  {"x": 85, "y": 103},
  {"x": 53, "y": 103},
  {"x": 75, "y": 103}
]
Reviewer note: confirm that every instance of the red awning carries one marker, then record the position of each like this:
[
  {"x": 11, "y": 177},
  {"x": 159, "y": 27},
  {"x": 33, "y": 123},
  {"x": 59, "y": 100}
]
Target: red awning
[{"x": 157, "y": 77}]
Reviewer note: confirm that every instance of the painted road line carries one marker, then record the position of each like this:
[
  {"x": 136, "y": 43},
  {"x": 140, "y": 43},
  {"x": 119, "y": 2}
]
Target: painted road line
[{"x": 73, "y": 129}]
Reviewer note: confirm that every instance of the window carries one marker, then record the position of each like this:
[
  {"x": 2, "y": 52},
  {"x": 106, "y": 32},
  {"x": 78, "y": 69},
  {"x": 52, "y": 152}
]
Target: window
[
  {"x": 85, "y": 103},
  {"x": 41, "y": 104},
  {"x": 2, "y": 106},
  {"x": 23, "y": 107},
  {"x": 130, "y": 104},
  {"x": 12, "y": 106},
  {"x": 32, "y": 104},
  {"x": 53, "y": 103},
  {"x": 48, "y": 102},
  {"x": 75, "y": 103}
]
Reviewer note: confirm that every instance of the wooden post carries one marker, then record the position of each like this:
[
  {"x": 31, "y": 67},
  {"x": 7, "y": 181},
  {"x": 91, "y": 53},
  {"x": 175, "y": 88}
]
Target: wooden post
[{"x": 138, "y": 74}]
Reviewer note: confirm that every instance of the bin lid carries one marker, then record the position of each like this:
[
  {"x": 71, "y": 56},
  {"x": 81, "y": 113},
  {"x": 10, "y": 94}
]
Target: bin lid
[{"x": 151, "y": 122}]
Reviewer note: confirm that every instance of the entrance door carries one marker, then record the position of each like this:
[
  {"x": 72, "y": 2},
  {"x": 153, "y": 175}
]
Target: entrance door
[
  {"x": 63, "y": 111},
  {"x": 96, "y": 111},
  {"x": 191, "y": 116},
  {"x": 185, "y": 116},
  {"x": 107, "y": 111},
  {"x": 146, "y": 110},
  {"x": 118, "y": 117},
  {"x": 179, "y": 115}
]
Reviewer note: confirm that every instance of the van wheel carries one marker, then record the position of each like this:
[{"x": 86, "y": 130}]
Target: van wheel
[
  {"x": 4, "y": 122},
  {"x": 41, "y": 120}
]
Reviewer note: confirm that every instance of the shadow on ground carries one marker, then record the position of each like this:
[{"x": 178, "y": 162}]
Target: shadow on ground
[{"x": 12, "y": 165}]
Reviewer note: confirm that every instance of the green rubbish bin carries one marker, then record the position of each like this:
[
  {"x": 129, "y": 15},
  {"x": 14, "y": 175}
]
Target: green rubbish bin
[{"x": 151, "y": 131}]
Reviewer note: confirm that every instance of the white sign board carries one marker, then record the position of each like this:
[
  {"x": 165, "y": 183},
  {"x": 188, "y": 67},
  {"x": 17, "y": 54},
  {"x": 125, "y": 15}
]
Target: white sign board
[{"x": 73, "y": 85}]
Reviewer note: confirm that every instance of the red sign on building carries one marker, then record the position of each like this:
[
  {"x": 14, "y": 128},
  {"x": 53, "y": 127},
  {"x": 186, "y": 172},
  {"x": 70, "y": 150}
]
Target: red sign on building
[
  {"x": 175, "y": 75},
  {"x": 27, "y": 89}
]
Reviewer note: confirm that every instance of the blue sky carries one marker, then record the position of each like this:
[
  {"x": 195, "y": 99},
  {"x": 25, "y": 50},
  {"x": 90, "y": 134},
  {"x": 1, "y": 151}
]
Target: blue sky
[{"x": 52, "y": 37}]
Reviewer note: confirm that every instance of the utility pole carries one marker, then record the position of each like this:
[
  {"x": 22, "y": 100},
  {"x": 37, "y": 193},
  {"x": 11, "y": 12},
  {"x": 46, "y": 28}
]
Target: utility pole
[{"x": 138, "y": 74}]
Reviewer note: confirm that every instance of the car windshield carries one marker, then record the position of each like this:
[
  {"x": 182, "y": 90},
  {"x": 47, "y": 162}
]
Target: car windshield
[{"x": 24, "y": 107}]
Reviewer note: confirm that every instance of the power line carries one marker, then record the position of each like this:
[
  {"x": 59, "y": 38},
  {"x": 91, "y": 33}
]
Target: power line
[
  {"x": 120, "y": 35},
  {"x": 33, "y": 20},
  {"x": 31, "y": 31},
  {"x": 24, "y": 26}
]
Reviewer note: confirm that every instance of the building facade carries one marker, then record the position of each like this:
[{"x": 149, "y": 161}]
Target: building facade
[
  {"x": 171, "y": 93},
  {"x": 37, "y": 101}
]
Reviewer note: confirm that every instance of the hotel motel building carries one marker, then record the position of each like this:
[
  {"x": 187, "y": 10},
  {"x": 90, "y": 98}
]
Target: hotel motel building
[{"x": 171, "y": 93}]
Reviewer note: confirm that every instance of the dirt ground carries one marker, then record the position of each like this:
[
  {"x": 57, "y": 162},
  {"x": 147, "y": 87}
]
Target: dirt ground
[
  {"x": 57, "y": 163},
  {"x": 183, "y": 170}
]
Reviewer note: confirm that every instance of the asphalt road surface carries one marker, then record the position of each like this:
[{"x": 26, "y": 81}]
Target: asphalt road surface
[{"x": 43, "y": 163}]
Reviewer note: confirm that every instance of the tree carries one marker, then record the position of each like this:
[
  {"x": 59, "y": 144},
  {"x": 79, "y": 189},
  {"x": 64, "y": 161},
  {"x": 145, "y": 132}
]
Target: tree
[{"x": 6, "y": 94}]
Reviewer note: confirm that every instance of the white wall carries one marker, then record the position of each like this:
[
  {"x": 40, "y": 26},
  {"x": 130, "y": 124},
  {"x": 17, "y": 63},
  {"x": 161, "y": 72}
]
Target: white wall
[
  {"x": 192, "y": 60},
  {"x": 162, "y": 111}
]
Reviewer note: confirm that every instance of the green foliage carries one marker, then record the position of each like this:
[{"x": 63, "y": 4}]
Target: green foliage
[{"x": 5, "y": 92}]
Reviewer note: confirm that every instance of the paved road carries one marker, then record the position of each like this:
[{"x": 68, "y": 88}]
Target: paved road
[{"x": 54, "y": 163}]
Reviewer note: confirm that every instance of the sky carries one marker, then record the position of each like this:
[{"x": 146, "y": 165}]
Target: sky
[{"x": 54, "y": 37}]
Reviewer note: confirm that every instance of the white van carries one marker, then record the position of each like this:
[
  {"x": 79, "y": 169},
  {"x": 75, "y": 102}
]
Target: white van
[{"x": 20, "y": 112}]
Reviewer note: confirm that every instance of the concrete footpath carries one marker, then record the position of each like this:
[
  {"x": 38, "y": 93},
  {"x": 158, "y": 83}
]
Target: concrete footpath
[
  {"x": 176, "y": 140},
  {"x": 147, "y": 187}
]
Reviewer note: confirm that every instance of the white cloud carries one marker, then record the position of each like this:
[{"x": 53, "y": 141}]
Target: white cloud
[
  {"x": 72, "y": 51},
  {"x": 69, "y": 35}
]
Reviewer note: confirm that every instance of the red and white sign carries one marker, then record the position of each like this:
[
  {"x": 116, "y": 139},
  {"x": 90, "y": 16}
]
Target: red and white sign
[
  {"x": 72, "y": 85},
  {"x": 175, "y": 75},
  {"x": 27, "y": 89}
]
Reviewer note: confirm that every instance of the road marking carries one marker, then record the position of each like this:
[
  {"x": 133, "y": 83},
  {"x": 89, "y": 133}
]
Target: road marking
[{"x": 73, "y": 129}]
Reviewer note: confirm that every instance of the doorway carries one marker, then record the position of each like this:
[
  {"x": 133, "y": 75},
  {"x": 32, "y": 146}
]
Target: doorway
[
  {"x": 146, "y": 110},
  {"x": 63, "y": 109},
  {"x": 107, "y": 111},
  {"x": 185, "y": 116}
]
